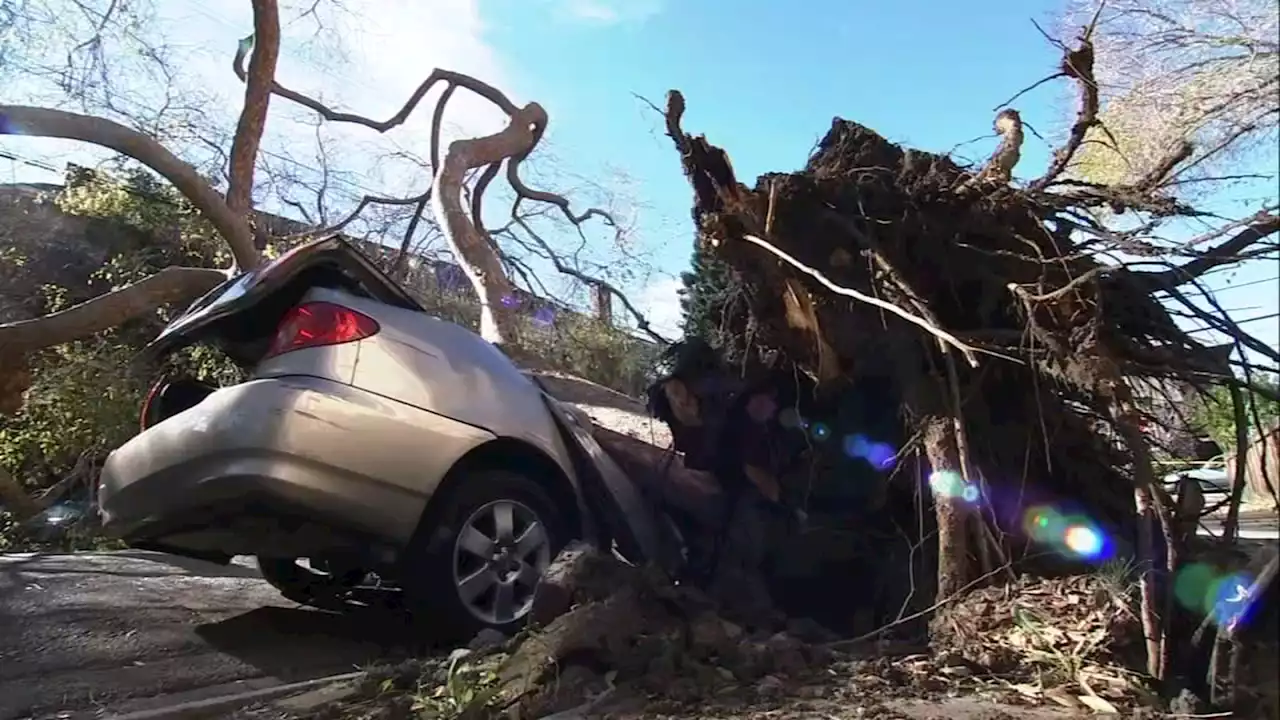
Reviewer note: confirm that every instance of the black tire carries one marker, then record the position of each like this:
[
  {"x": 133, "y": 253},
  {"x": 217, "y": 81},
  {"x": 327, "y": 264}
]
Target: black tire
[
  {"x": 305, "y": 586},
  {"x": 431, "y": 592}
]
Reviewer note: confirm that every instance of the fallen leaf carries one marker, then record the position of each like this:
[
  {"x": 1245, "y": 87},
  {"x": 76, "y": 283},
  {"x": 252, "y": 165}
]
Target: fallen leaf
[
  {"x": 1062, "y": 697},
  {"x": 1098, "y": 705},
  {"x": 1025, "y": 690}
]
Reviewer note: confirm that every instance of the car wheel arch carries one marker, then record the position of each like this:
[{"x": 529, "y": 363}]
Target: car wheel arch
[{"x": 505, "y": 453}]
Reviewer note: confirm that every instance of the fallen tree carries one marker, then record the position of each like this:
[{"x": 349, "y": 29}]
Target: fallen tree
[{"x": 1011, "y": 347}]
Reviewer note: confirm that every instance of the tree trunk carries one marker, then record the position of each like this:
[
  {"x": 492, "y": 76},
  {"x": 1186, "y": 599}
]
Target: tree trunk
[
  {"x": 1232, "y": 523},
  {"x": 953, "y": 538},
  {"x": 1154, "y": 511}
]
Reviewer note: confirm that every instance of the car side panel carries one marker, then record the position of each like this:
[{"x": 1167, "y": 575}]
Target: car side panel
[
  {"x": 444, "y": 368},
  {"x": 313, "y": 443}
]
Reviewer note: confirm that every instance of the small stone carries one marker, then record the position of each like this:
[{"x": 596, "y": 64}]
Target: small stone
[
  {"x": 786, "y": 654},
  {"x": 769, "y": 685},
  {"x": 1187, "y": 703},
  {"x": 810, "y": 631},
  {"x": 486, "y": 641}
]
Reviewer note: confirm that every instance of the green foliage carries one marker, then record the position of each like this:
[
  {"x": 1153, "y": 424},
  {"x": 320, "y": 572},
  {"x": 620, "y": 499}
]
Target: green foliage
[
  {"x": 587, "y": 348},
  {"x": 709, "y": 291},
  {"x": 176, "y": 233},
  {"x": 571, "y": 343},
  {"x": 467, "y": 687},
  {"x": 1214, "y": 414},
  {"x": 85, "y": 396}
]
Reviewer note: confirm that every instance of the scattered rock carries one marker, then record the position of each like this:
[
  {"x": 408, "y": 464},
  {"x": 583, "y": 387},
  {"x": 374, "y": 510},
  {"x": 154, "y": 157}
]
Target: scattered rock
[
  {"x": 580, "y": 573},
  {"x": 486, "y": 641},
  {"x": 770, "y": 685},
  {"x": 1188, "y": 704}
]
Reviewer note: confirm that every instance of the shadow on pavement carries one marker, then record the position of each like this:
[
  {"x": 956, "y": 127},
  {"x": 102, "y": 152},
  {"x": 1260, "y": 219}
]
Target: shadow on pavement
[{"x": 301, "y": 643}]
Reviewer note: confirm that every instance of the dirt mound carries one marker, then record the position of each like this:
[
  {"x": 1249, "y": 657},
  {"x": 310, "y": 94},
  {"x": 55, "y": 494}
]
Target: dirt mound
[{"x": 601, "y": 624}]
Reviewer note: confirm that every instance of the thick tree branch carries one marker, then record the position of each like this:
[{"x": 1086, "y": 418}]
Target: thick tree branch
[
  {"x": 1263, "y": 225},
  {"x": 43, "y": 122},
  {"x": 437, "y": 122},
  {"x": 265, "y": 44},
  {"x": 1078, "y": 65},
  {"x": 170, "y": 285},
  {"x": 513, "y": 144}
]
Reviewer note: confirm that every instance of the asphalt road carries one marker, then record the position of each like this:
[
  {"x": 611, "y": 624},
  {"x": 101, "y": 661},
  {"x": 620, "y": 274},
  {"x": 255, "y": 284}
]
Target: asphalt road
[
  {"x": 1253, "y": 526},
  {"x": 87, "y": 631}
]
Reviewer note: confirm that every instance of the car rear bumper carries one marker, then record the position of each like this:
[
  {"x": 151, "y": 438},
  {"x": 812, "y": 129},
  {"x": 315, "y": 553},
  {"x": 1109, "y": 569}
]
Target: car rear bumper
[{"x": 280, "y": 465}]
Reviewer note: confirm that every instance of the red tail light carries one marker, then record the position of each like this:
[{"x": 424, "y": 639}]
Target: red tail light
[
  {"x": 144, "y": 418},
  {"x": 315, "y": 324}
]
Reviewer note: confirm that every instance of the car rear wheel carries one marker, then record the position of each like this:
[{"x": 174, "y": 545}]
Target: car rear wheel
[{"x": 478, "y": 562}]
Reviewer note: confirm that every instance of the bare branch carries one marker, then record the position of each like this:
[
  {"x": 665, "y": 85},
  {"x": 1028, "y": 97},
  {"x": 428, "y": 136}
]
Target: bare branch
[
  {"x": 642, "y": 323},
  {"x": 1262, "y": 226},
  {"x": 1077, "y": 65},
  {"x": 942, "y": 335},
  {"x": 351, "y": 217},
  {"x": 484, "y": 90},
  {"x": 43, "y": 122}
]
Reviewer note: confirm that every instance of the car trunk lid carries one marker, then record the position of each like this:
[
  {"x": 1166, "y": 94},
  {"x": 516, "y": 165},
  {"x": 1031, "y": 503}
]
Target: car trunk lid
[{"x": 242, "y": 315}]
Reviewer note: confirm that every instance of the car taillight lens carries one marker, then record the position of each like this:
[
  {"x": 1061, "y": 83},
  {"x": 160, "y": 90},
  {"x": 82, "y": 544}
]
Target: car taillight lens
[
  {"x": 314, "y": 324},
  {"x": 144, "y": 418}
]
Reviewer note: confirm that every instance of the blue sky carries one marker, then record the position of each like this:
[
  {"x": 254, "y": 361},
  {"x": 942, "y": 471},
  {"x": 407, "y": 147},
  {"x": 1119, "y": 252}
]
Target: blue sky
[{"x": 762, "y": 79}]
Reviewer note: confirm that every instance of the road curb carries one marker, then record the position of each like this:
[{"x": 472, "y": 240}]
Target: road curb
[{"x": 219, "y": 706}]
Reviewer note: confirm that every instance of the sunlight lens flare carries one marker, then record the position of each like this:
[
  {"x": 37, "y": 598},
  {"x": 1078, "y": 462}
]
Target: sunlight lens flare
[
  {"x": 880, "y": 455},
  {"x": 820, "y": 432},
  {"x": 1084, "y": 541},
  {"x": 1073, "y": 536},
  {"x": 1041, "y": 523},
  {"x": 545, "y": 317},
  {"x": 7, "y": 126},
  {"x": 1225, "y": 597},
  {"x": 946, "y": 483},
  {"x": 1231, "y": 601}
]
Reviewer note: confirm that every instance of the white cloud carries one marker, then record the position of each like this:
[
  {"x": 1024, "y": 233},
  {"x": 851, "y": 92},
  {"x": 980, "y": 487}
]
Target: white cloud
[
  {"x": 607, "y": 12},
  {"x": 368, "y": 59},
  {"x": 660, "y": 303}
]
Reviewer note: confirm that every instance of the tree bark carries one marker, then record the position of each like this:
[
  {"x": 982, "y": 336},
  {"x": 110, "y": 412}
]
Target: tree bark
[
  {"x": 475, "y": 250},
  {"x": 172, "y": 284},
  {"x": 257, "y": 99},
  {"x": 953, "y": 538},
  {"x": 1232, "y": 524}
]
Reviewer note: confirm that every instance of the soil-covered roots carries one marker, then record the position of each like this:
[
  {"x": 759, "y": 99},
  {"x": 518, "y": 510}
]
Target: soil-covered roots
[{"x": 976, "y": 302}]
